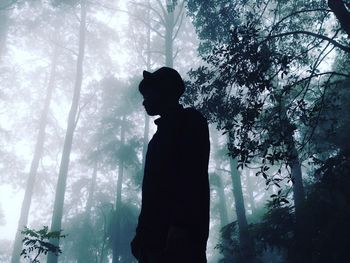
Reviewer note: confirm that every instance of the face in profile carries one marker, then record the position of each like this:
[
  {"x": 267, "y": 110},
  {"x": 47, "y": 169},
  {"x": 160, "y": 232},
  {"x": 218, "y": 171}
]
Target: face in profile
[{"x": 153, "y": 103}]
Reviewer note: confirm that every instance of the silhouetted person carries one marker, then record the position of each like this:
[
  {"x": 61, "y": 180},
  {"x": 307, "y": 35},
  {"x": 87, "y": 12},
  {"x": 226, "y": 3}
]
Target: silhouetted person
[{"x": 173, "y": 224}]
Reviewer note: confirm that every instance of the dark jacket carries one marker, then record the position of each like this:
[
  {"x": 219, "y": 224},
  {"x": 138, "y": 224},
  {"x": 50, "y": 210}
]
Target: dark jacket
[{"x": 175, "y": 189}]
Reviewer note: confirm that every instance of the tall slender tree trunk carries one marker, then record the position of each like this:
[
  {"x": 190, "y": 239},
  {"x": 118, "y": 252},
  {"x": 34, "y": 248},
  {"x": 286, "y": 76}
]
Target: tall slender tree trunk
[
  {"x": 118, "y": 202},
  {"x": 84, "y": 254},
  {"x": 222, "y": 202},
  {"x": 301, "y": 232},
  {"x": 245, "y": 241},
  {"x": 293, "y": 162},
  {"x": 91, "y": 190},
  {"x": 148, "y": 66},
  {"x": 220, "y": 187},
  {"x": 341, "y": 11},
  {"x": 298, "y": 188},
  {"x": 23, "y": 219},
  {"x": 169, "y": 30},
  {"x": 64, "y": 165},
  {"x": 4, "y": 23}
]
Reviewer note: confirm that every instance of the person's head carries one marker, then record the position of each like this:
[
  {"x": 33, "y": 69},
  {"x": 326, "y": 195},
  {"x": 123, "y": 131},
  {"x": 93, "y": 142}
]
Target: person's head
[{"x": 161, "y": 90}]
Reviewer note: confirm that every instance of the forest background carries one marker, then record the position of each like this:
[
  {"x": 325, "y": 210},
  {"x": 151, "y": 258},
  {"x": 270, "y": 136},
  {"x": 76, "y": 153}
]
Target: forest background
[{"x": 271, "y": 76}]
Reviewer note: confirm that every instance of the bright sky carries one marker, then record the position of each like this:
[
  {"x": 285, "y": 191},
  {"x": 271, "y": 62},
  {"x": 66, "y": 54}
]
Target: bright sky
[
  {"x": 10, "y": 203},
  {"x": 10, "y": 198}
]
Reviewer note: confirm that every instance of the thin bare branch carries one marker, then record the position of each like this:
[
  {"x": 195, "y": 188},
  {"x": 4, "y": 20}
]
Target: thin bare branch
[
  {"x": 176, "y": 53},
  {"x": 8, "y": 5},
  {"x": 333, "y": 73},
  {"x": 134, "y": 16},
  {"x": 153, "y": 9},
  {"x": 162, "y": 7},
  {"x": 138, "y": 50},
  {"x": 302, "y": 32},
  {"x": 63, "y": 47},
  {"x": 296, "y": 13},
  {"x": 157, "y": 52},
  {"x": 179, "y": 26},
  {"x": 181, "y": 11},
  {"x": 263, "y": 11}
]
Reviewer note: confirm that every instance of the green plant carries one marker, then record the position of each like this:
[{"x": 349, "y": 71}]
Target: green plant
[{"x": 37, "y": 242}]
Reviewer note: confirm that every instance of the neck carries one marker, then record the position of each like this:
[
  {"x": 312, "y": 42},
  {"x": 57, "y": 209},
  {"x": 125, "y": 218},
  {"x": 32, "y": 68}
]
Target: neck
[{"x": 170, "y": 109}]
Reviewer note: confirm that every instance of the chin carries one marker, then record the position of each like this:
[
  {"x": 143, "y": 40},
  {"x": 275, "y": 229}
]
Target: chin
[{"x": 151, "y": 112}]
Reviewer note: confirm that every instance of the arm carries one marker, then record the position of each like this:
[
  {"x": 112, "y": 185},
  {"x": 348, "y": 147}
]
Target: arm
[{"x": 189, "y": 182}]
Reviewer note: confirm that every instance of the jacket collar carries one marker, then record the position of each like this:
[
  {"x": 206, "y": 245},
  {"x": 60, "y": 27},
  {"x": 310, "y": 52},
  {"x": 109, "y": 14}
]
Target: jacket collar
[{"x": 170, "y": 115}]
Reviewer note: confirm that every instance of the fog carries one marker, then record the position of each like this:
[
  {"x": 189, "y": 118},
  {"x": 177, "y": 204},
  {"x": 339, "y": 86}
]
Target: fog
[{"x": 271, "y": 77}]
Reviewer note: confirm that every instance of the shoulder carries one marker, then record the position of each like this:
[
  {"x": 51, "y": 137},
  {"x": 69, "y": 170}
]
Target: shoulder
[{"x": 193, "y": 116}]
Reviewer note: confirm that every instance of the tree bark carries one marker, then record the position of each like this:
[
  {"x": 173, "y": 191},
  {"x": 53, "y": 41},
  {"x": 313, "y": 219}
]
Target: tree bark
[
  {"x": 4, "y": 23},
  {"x": 342, "y": 14},
  {"x": 84, "y": 254},
  {"x": 220, "y": 187},
  {"x": 301, "y": 231},
  {"x": 222, "y": 205},
  {"x": 23, "y": 219},
  {"x": 91, "y": 190},
  {"x": 148, "y": 67},
  {"x": 169, "y": 30},
  {"x": 116, "y": 238},
  {"x": 64, "y": 165},
  {"x": 245, "y": 241},
  {"x": 298, "y": 188}
]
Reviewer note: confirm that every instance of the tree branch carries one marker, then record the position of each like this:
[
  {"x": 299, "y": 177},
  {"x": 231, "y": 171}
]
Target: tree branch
[
  {"x": 135, "y": 16},
  {"x": 153, "y": 9},
  {"x": 8, "y": 5},
  {"x": 181, "y": 8},
  {"x": 63, "y": 47},
  {"x": 176, "y": 53},
  {"x": 333, "y": 73},
  {"x": 178, "y": 28},
  {"x": 330, "y": 40},
  {"x": 162, "y": 7},
  {"x": 296, "y": 13},
  {"x": 342, "y": 14}
]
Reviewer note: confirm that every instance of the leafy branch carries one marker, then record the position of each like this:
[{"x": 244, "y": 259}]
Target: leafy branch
[{"x": 37, "y": 242}]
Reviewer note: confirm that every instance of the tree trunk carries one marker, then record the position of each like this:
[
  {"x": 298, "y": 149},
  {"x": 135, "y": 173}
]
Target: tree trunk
[
  {"x": 118, "y": 202},
  {"x": 301, "y": 231},
  {"x": 169, "y": 29},
  {"x": 298, "y": 188},
  {"x": 63, "y": 171},
  {"x": 245, "y": 241},
  {"x": 220, "y": 187},
  {"x": 222, "y": 205},
  {"x": 342, "y": 14},
  {"x": 294, "y": 164},
  {"x": 91, "y": 190},
  {"x": 84, "y": 254},
  {"x": 4, "y": 20},
  {"x": 148, "y": 67},
  {"x": 23, "y": 219}
]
